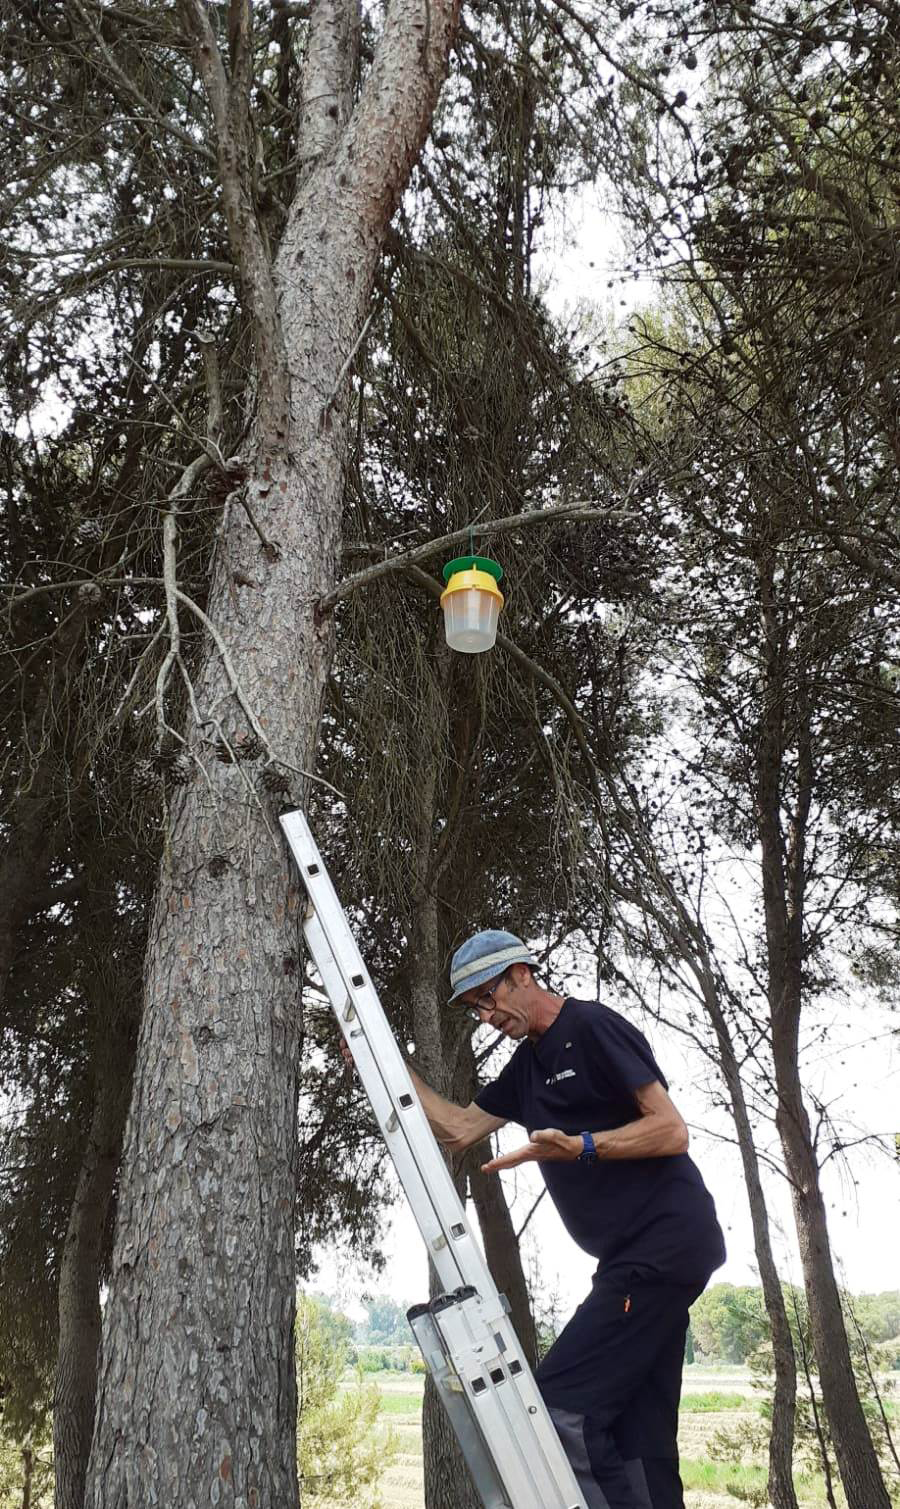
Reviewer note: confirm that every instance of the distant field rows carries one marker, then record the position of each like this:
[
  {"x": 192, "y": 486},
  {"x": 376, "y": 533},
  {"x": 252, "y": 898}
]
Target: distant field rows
[
  {"x": 713, "y": 1399},
  {"x": 403, "y": 1483}
]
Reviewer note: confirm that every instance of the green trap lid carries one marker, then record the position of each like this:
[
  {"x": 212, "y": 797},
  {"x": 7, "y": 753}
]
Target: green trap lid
[{"x": 473, "y": 562}]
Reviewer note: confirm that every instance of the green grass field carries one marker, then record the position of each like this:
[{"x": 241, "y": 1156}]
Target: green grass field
[
  {"x": 715, "y": 1399},
  {"x": 410, "y": 1403}
]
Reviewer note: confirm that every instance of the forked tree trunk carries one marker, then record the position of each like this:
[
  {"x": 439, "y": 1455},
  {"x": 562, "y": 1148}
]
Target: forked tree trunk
[{"x": 197, "y": 1397}]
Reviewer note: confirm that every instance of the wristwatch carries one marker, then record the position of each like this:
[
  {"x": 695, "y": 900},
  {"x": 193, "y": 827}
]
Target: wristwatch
[{"x": 589, "y": 1153}]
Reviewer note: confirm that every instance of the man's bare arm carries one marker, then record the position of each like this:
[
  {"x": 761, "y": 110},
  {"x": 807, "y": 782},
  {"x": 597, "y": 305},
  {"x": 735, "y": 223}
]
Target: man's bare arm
[
  {"x": 455, "y": 1127},
  {"x": 658, "y": 1133}
]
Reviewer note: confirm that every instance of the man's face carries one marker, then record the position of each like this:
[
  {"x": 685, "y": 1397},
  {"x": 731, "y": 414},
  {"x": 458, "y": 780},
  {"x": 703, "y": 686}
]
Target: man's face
[{"x": 502, "y": 1003}]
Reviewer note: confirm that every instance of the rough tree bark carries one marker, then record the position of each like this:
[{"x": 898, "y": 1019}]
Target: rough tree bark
[
  {"x": 196, "y": 1396},
  {"x": 784, "y": 876}
]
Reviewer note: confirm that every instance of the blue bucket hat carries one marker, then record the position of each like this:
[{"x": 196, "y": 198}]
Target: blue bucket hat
[{"x": 480, "y": 958}]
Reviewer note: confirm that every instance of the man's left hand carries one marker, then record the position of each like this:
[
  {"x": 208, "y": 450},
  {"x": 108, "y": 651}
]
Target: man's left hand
[{"x": 548, "y": 1146}]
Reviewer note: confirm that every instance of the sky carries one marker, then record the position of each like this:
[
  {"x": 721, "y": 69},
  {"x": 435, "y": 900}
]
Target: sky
[{"x": 856, "y": 1070}]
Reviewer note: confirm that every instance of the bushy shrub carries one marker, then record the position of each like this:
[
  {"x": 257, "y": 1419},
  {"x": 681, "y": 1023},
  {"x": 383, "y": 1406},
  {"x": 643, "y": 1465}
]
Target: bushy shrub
[
  {"x": 386, "y": 1359},
  {"x": 340, "y": 1454}
]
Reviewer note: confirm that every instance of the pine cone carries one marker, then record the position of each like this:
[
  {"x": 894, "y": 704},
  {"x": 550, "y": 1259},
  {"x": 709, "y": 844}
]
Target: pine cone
[
  {"x": 276, "y": 782},
  {"x": 89, "y": 532},
  {"x": 90, "y": 597},
  {"x": 247, "y": 747},
  {"x": 164, "y": 758},
  {"x": 144, "y": 780},
  {"x": 181, "y": 769}
]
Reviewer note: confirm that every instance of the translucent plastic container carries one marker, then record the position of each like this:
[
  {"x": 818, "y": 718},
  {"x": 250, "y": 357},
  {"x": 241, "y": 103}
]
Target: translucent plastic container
[{"x": 471, "y": 617}]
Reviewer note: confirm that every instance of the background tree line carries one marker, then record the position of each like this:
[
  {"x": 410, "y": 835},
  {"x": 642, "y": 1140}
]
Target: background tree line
[{"x": 729, "y": 1323}]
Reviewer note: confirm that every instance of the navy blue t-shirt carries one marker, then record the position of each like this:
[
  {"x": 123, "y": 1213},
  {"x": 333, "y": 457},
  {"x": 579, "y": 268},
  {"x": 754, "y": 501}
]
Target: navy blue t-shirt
[{"x": 654, "y": 1214}]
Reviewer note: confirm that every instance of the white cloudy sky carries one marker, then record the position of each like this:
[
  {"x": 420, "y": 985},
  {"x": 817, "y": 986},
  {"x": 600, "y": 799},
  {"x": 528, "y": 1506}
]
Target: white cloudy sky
[{"x": 857, "y": 1074}]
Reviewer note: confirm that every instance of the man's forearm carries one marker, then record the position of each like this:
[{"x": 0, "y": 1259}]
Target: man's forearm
[
  {"x": 444, "y": 1117},
  {"x": 648, "y": 1137}
]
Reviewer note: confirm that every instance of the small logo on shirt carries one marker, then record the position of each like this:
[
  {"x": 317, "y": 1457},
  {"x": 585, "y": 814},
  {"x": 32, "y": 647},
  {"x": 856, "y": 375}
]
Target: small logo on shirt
[{"x": 564, "y": 1074}]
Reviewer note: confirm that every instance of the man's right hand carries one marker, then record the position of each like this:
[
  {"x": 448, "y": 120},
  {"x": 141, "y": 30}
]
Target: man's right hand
[{"x": 346, "y": 1054}]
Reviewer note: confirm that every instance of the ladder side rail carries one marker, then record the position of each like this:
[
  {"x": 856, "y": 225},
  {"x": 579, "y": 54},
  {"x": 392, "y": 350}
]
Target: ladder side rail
[
  {"x": 518, "y": 1398},
  {"x": 480, "y": 1458},
  {"x": 534, "y": 1478},
  {"x": 444, "y": 1254},
  {"x": 497, "y": 1338},
  {"x": 519, "y": 1402},
  {"x": 359, "y": 1003}
]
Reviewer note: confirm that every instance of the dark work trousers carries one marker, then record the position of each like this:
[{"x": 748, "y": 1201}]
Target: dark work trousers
[{"x": 612, "y": 1384}]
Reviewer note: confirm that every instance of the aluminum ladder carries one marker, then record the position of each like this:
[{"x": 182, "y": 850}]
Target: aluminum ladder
[{"x": 470, "y": 1348}]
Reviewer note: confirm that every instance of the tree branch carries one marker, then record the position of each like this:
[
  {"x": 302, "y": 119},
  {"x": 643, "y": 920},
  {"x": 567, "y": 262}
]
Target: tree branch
[
  {"x": 566, "y": 513},
  {"x": 133, "y": 93},
  {"x": 229, "y": 105}
]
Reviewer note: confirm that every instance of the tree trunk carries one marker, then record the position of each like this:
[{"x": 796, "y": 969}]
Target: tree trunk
[
  {"x": 32, "y": 819},
  {"x": 448, "y": 1484},
  {"x": 501, "y": 1245},
  {"x": 27, "y": 1474},
  {"x": 784, "y": 876},
  {"x": 444, "y": 1056},
  {"x": 821, "y": 1433},
  {"x": 197, "y": 1396},
  {"x": 501, "y": 1248},
  {"x": 688, "y": 941},
  {"x": 79, "y": 1293},
  {"x": 855, "y": 1452},
  {"x": 784, "y": 1400}
]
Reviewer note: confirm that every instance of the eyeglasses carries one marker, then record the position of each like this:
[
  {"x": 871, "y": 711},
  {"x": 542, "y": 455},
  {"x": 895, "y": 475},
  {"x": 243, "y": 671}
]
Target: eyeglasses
[{"x": 486, "y": 1001}]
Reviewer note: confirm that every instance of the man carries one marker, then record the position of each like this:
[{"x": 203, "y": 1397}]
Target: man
[{"x": 613, "y": 1153}]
